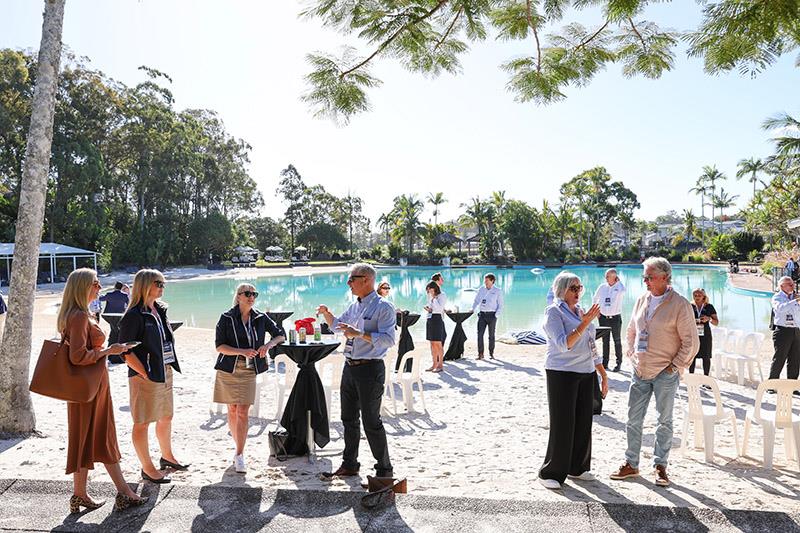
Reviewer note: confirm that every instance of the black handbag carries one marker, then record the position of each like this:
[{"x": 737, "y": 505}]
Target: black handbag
[{"x": 283, "y": 446}]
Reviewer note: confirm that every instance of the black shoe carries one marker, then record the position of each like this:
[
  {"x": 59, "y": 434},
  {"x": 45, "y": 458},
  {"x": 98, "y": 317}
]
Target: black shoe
[
  {"x": 491, "y": 356},
  {"x": 169, "y": 464},
  {"x": 617, "y": 368},
  {"x": 771, "y": 391},
  {"x": 605, "y": 366},
  {"x": 159, "y": 481}
]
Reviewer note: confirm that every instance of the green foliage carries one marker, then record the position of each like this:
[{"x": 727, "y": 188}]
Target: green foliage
[
  {"x": 767, "y": 267},
  {"x": 695, "y": 256},
  {"x": 212, "y": 234},
  {"x": 754, "y": 255},
  {"x": 746, "y": 242},
  {"x": 721, "y": 248},
  {"x": 322, "y": 237},
  {"x": 519, "y": 223}
]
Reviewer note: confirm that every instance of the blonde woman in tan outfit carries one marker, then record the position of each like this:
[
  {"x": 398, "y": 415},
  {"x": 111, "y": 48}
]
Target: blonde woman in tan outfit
[
  {"x": 91, "y": 430},
  {"x": 662, "y": 343}
]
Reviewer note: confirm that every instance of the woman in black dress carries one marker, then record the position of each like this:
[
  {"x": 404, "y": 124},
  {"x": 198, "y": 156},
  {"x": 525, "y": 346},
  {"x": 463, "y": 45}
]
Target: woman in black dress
[{"x": 705, "y": 315}]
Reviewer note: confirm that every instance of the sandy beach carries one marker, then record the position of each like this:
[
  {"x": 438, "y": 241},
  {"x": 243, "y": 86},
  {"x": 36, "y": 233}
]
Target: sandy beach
[{"x": 484, "y": 435}]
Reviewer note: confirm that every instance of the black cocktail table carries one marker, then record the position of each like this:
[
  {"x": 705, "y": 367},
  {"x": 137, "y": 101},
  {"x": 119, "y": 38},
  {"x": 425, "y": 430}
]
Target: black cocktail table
[
  {"x": 279, "y": 316},
  {"x": 404, "y": 321},
  {"x": 306, "y": 409},
  {"x": 456, "y": 348}
]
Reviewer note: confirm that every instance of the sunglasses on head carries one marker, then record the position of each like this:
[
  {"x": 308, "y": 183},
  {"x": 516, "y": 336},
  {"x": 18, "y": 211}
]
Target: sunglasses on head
[
  {"x": 576, "y": 288},
  {"x": 159, "y": 284},
  {"x": 249, "y": 294}
]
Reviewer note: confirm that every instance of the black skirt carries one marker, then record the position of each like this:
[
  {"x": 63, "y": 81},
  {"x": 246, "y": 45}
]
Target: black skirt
[{"x": 434, "y": 329}]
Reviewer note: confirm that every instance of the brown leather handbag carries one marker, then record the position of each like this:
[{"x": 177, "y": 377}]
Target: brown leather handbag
[{"x": 56, "y": 377}]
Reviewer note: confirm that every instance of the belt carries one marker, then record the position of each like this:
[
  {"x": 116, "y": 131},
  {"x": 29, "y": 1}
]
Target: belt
[{"x": 358, "y": 362}]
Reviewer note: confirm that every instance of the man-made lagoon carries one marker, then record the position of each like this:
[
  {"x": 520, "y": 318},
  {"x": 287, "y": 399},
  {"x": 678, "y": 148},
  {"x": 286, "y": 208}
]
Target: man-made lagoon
[{"x": 200, "y": 302}]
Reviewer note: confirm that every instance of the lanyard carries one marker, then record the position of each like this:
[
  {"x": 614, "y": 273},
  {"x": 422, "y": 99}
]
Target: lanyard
[
  {"x": 248, "y": 329},
  {"x": 699, "y": 312},
  {"x": 160, "y": 327}
]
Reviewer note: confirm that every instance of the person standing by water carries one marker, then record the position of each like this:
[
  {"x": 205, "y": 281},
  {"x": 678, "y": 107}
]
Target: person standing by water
[
  {"x": 434, "y": 326},
  {"x": 609, "y": 296},
  {"x": 150, "y": 387},
  {"x": 489, "y": 302},
  {"x": 241, "y": 332},
  {"x": 705, "y": 315},
  {"x": 662, "y": 341},
  {"x": 91, "y": 429},
  {"x": 368, "y": 325},
  {"x": 786, "y": 332},
  {"x": 571, "y": 366},
  {"x": 116, "y": 302}
]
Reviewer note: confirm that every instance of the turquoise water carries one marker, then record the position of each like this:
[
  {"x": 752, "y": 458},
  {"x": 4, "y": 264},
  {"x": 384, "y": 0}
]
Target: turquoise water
[{"x": 200, "y": 302}]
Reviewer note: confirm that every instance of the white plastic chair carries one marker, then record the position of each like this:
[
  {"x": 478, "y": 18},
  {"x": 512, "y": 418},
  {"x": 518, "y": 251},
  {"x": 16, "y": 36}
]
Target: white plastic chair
[
  {"x": 215, "y": 408},
  {"x": 728, "y": 346},
  {"x": 261, "y": 381},
  {"x": 748, "y": 353},
  {"x": 330, "y": 373},
  {"x": 289, "y": 377},
  {"x": 720, "y": 334},
  {"x": 388, "y": 385},
  {"x": 704, "y": 417},
  {"x": 781, "y": 418},
  {"x": 408, "y": 379}
]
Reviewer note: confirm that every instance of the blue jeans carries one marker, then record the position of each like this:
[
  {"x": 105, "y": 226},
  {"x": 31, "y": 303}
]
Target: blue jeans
[{"x": 663, "y": 386}]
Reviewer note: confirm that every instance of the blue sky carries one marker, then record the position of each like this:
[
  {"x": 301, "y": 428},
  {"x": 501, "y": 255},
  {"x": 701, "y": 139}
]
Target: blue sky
[{"x": 463, "y": 135}]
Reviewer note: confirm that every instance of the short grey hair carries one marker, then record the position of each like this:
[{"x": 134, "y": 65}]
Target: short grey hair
[
  {"x": 562, "y": 283},
  {"x": 784, "y": 279},
  {"x": 612, "y": 271},
  {"x": 363, "y": 269},
  {"x": 661, "y": 265}
]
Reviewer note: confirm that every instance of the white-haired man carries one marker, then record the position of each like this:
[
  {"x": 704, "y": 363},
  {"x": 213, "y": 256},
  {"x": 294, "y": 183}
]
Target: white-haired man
[
  {"x": 786, "y": 332},
  {"x": 662, "y": 342},
  {"x": 368, "y": 325},
  {"x": 609, "y": 297}
]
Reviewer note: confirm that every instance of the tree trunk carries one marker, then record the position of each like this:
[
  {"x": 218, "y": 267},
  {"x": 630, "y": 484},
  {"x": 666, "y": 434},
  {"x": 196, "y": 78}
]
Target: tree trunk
[{"x": 16, "y": 410}]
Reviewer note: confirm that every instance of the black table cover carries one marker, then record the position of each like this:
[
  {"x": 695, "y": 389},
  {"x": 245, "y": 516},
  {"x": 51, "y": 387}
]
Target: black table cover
[
  {"x": 307, "y": 393},
  {"x": 405, "y": 320},
  {"x": 279, "y": 316},
  {"x": 113, "y": 321},
  {"x": 456, "y": 348}
]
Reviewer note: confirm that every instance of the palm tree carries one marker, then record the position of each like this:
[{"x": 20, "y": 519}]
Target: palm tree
[
  {"x": 383, "y": 222},
  {"x": 700, "y": 188},
  {"x": 566, "y": 224},
  {"x": 407, "y": 211},
  {"x": 436, "y": 199},
  {"x": 689, "y": 223},
  {"x": 723, "y": 200},
  {"x": 498, "y": 202},
  {"x": 787, "y": 145},
  {"x": 16, "y": 410},
  {"x": 482, "y": 214},
  {"x": 752, "y": 167},
  {"x": 711, "y": 175}
]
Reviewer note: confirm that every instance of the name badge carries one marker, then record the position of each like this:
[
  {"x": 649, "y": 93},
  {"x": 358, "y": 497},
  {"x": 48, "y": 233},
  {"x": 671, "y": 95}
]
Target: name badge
[
  {"x": 483, "y": 301},
  {"x": 348, "y": 346},
  {"x": 641, "y": 342},
  {"x": 790, "y": 320},
  {"x": 608, "y": 301},
  {"x": 701, "y": 329},
  {"x": 169, "y": 353},
  {"x": 593, "y": 347}
]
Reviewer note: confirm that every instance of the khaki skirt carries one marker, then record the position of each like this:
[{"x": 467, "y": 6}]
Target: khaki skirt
[
  {"x": 150, "y": 401},
  {"x": 238, "y": 387}
]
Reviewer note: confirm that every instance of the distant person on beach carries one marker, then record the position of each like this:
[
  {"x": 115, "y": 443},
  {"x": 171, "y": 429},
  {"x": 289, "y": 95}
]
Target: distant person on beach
[
  {"x": 434, "y": 327},
  {"x": 786, "y": 332},
  {"x": 240, "y": 341},
  {"x": 92, "y": 432},
  {"x": 609, "y": 296},
  {"x": 705, "y": 316},
  {"x": 571, "y": 366},
  {"x": 368, "y": 325},
  {"x": 489, "y": 302},
  {"x": 116, "y": 302},
  {"x": 790, "y": 267},
  {"x": 151, "y": 398},
  {"x": 662, "y": 342}
]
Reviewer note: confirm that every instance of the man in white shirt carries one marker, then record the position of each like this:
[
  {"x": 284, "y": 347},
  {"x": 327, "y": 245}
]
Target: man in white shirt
[
  {"x": 609, "y": 296},
  {"x": 786, "y": 333},
  {"x": 489, "y": 302}
]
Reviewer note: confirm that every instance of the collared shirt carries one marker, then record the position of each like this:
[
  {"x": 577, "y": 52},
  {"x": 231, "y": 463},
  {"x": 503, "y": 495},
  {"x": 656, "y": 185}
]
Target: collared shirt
[
  {"x": 437, "y": 304},
  {"x": 376, "y": 316},
  {"x": 559, "y": 323},
  {"x": 489, "y": 300},
  {"x": 610, "y": 298},
  {"x": 790, "y": 265},
  {"x": 116, "y": 301},
  {"x": 787, "y": 310}
]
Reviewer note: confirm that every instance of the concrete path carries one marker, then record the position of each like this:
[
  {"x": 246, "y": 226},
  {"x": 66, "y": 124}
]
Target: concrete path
[{"x": 27, "y": 505}]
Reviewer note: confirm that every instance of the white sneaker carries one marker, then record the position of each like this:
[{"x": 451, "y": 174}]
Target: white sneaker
[
  {"x": 586, "y": 476},
  {"x": 238, "y": 464},
  {"x": 551, "y": 484}
]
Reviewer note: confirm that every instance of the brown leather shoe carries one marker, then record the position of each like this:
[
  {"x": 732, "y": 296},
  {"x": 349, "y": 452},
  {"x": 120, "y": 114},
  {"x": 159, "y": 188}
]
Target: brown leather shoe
[
  {"x": 625, "y": 471},
  {"x": 661, "y": 476},
  {"x": 340, "y": 472}
]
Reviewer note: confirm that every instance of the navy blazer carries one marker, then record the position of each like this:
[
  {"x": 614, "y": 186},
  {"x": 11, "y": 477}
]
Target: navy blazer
[
  {"x": 231, "y": 331},
  {"x": 139, "y": 324}
]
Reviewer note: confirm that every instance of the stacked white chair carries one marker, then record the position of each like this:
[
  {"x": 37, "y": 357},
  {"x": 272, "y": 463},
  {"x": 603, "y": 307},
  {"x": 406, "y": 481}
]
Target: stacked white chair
[
  {"x": 704, "y": 417},
  {"x": 728, "y": 346},
  {"x": 719, "y": 334},
  {"x": 261, "y": 381},
  {"x": 388, "y": 384},
  {"x": 330, "y": 373},
  {"x": 408, "y": 379},
  {"x": 748, "y": 353},
  {"x": 281, "y": 385},
  {"x": 781, "y": 418}
]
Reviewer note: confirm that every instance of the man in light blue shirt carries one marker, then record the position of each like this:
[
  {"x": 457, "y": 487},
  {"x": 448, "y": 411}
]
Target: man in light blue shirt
[
  {"x": 368, "y": 325},
  {"x": 489, "y": 302},
  {"x": 786, "y": 335}
]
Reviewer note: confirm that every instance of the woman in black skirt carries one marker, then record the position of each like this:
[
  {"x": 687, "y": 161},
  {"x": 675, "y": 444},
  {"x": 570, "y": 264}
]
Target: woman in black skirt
[
  {"x": 705, "y": 315},
  {"x": 434, "y": 328}
]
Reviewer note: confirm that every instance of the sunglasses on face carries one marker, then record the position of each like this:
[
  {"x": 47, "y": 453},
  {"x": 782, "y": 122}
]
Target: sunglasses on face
[
  {"x": 96, "y": 283},
  {"x": 576, "y": 288},
  {"x": 249, "y": 294},
  {"x": 648, "y": 278},
  {"x": 159, "y": 284},
  {"x": 351, "y": 279}
]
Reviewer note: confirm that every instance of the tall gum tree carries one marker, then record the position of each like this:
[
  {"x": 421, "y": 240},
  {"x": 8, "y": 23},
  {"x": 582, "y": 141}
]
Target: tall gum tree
[{"x": 16, "y": 410}]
